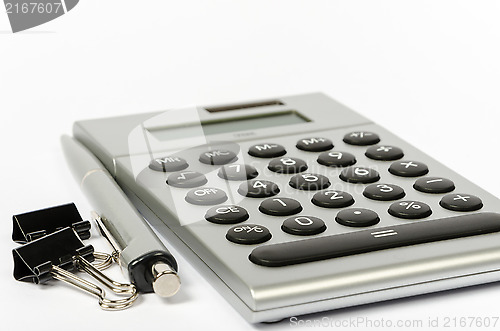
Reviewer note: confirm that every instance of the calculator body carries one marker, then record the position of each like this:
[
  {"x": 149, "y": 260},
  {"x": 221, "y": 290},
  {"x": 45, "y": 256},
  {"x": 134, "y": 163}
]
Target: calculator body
[{"x": 127, "y": 145}]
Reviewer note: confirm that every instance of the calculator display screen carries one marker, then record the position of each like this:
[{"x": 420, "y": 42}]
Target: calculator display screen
[{"x": 229, "y": 125}]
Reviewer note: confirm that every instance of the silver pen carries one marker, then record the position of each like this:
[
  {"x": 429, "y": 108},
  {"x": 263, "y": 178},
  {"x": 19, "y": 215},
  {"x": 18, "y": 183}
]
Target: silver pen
[{"x": 150, "y": 265}]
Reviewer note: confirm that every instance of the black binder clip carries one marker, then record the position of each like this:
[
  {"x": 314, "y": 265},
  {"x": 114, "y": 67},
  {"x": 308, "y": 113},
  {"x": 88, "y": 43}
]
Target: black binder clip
[
  {"x": 55, "y": 255},
  {"x": 39, "y": 223}
]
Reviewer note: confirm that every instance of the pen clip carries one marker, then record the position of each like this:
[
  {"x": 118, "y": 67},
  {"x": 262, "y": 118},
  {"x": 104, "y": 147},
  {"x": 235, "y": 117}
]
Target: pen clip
[{"x": 103, "y": 230}]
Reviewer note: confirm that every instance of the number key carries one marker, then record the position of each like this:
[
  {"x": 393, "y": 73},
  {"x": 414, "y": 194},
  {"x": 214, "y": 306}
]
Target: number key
[
  {"x": 336, "y": 159},
  {"x": 257, "y": 188},
  {"x": 332, "y": 199},
  {"x": 383, "y": 192},
  {"x": 287, "y": 165},
  {"x": 280, "y": 206},
  {"x": 303, "y": 225},
  {"x": 359, "y": 175},
  {"x": 309, "y": 182},
  {"x": 237, "y": 172}
]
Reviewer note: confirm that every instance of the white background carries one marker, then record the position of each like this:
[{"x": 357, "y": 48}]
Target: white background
[{"x": 427, "y": 70}]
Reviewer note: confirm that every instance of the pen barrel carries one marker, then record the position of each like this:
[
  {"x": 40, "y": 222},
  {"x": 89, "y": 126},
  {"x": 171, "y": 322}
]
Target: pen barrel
[
  {"x": 140, "y": 248},
  {"x": 128, "y": 229}
]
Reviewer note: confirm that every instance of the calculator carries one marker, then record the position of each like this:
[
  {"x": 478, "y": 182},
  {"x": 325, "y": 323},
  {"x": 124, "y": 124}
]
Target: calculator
[{"x": 299, "y": 204}]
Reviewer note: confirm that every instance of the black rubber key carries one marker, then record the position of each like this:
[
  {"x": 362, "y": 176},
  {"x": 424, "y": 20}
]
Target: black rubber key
[
  {"x": 359, "y": 175},
  {"x": 384, "y": 153},
  {"x": 287, "y": 165},
  {"x": 410, "y": 209},
  {"x": 280, "y": 206},
  {"x": 303, "y": 225},
  {"x": 237, "y": 172},
  {"x": 168, "y": 164},
  {"x": 364, "y": 241},
  {"x": 357, "y": 217},
  {"x": 309, "y": 182},
  {"x": 228, "y": 214},
  {"x": 434, "y": 185},
  {"x": 336, "y": 159},
  {"x": 257, "y": 188},
  {"x": 186, "y": 179},
  {"x": 461, "y": 202},
  {"x": 248, "y": 234},
  {"x": 408, "y": 169},
  {"x": 218, "y": 157},
  {"x": 361, "y": 138},
  {"x": 332, "y": 199},
  {"x": 267, "y": 150},
  {"x": 206, "y": 196},
  {"x": 315, "y": 144},
  {"x": 384, "y": 192}
]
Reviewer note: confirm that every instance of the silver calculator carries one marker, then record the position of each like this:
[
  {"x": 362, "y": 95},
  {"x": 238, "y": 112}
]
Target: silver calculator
[{"x": 299, "y": 204}]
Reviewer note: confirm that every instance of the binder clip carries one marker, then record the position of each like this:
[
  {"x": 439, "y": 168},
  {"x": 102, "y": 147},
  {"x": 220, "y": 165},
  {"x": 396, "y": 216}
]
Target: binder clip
[
  {"x": 54, "y": 256},
  {"x": 36, "y": 224}
]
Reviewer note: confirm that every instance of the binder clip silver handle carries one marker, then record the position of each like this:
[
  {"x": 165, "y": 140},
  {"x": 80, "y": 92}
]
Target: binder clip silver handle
[
  {"x": 116, "y": 287},
  {"x": 106, "y": 260},
  {"x": 57, "y": 254}
]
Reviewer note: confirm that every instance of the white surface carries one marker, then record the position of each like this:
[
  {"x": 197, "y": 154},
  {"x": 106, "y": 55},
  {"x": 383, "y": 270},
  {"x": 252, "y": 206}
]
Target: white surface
[{"x": 427, "y": 70}]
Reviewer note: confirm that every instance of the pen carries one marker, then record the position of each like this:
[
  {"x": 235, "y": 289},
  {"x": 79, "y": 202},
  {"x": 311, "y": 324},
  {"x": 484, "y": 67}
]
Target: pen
[{"x": 150, "y": 265}]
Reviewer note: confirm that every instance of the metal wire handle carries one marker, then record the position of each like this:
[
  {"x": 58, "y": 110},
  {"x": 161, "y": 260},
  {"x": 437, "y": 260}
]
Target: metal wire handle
[
  {"x": 106, "y": 260},
  {"x": 93, "y": 289}
]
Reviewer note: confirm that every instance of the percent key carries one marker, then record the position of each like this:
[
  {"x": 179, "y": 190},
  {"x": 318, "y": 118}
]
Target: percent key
[{"x": 410, "y": 209}]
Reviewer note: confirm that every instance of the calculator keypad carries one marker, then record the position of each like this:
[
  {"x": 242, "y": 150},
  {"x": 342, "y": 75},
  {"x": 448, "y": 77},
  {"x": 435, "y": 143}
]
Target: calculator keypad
[{"x": 333, "y": 164}]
